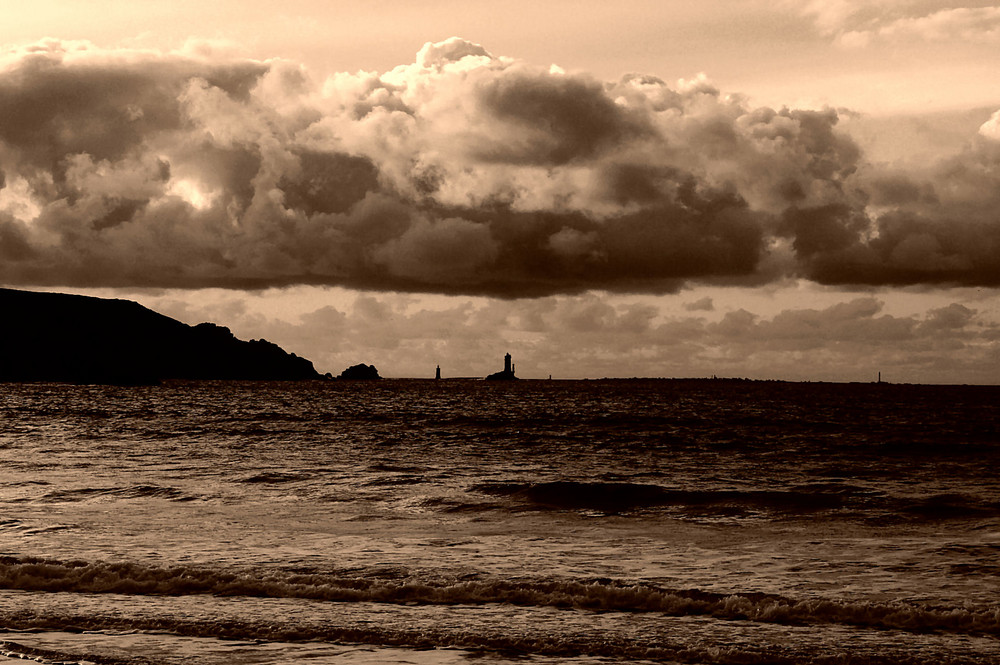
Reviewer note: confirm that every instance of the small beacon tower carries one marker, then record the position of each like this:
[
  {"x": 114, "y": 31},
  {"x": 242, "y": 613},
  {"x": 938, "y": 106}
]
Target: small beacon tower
[{"x": 437, "y": 373}]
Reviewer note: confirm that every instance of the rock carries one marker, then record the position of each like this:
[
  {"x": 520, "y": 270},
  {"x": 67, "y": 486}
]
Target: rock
[
  {"x": 502, "y": 376},
  {"x": 360, "y": 372},
  {"x": 508, "y": 371}
]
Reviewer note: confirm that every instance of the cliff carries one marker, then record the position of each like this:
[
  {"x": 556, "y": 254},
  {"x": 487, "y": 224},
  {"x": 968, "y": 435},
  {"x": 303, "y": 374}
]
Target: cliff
[{"x": 80, "y": 339}]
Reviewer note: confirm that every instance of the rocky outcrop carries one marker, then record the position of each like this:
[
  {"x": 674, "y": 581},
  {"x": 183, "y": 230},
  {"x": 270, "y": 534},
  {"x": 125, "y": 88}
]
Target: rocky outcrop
[
  {"x": 502, "y": 376},
  {"x": 508, "y": 371},
  {"x": 79, "y": 339},
  {"x": 360, "y": 372}
]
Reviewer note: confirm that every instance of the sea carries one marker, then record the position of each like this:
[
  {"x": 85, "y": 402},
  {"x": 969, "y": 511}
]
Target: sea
[{"x": 481, "y": 523}]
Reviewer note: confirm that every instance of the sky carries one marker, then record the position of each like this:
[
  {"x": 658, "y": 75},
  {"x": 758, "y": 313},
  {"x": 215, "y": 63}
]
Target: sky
[{"x": 789, "y": 190}]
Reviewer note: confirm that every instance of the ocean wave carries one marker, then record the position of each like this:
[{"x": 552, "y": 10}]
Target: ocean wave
[
  {"x": 616, "y": 496},
  {"x": 397, "y": 468},
  {"x": 401, "y": 587},
  {"x": 14, "y": 650},
  {"x": 609, "y": 647},
  {"x": 835, "y": 499},
  {"x": 392, "y": 481},
  {"x": 27, "y": 529},
  {"x": 944, "y": 506},
  {"x": 127, "y": 492},
  {"x": 272, "y": 477}
]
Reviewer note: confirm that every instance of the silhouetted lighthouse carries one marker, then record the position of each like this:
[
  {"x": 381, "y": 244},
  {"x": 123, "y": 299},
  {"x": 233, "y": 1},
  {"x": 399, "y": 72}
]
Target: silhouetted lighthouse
[
  {"x": 437, "y": 373},
  {"x": 507, "y": 374}
]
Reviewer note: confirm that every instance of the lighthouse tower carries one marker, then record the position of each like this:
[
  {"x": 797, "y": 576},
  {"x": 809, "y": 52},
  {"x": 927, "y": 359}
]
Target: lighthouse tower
[{"x": 507, "y": 374}]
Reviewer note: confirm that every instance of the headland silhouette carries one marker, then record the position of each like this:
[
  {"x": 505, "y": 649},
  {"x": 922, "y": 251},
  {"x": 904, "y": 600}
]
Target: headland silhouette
[{"x": 58, "y": 337}]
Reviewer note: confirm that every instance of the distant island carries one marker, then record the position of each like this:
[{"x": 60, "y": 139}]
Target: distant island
[
  {"x": 507, "y": 374},
  {"x": 81, "y": 339},
  {"x": 360, "y": 372}
]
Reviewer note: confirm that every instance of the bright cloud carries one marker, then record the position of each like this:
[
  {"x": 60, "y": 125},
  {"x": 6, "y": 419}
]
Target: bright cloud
[{"x": 991, "y": 128}]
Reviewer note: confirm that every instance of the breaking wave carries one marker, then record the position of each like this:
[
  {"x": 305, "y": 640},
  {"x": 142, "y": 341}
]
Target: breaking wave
[
  {"x": 516, "y": 647},
  {"x": 403, "y": 587}
]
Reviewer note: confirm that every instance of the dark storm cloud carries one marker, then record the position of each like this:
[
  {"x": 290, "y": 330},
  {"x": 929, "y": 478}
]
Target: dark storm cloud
[
  {"x": 14, "y": 244},
  {"x": 944, "y": 229},
  {"x": 911, "y": 249},
  {"x": 897, "y": 189},
  {"x": 460, "y": 173},
  {"x": 823, "y": 230},
  {"x": 56, "y": 104},
  {"x": 553, "y": 119},
  {"x": 328, "y": 182}
]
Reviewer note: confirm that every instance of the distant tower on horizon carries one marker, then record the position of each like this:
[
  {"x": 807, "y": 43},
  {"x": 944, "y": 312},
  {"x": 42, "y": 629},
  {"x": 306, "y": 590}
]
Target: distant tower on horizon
[
  {"x": 437, "y": 373},
  {"x": 507, "y": 374}
]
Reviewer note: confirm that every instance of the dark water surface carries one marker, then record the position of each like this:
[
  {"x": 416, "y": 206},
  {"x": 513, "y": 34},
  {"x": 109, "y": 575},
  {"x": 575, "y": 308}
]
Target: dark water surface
[{"x": 541, "y": 521}]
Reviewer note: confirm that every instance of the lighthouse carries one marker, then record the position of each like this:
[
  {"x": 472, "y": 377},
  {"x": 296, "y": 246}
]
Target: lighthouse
[{"x": 508, "y": 371}]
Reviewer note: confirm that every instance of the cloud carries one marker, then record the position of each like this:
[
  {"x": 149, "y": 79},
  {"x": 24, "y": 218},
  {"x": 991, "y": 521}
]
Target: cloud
[
  {"x": 705, "y": 304},
  {"x": 461, "y": 172},
  {"x": 445, "y": 251},
  {"x": 960, "y": 24},
  {"x": 451, "y": 50},
  {"x": 597, "y": 334},
  {"x": 938, "y": 226},
  {"x": 859, "y": 23},
  {"x": 991, "y": 128}
]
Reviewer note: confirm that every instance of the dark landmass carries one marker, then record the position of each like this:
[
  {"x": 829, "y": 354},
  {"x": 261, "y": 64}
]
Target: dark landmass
[
  {"x": 503, "y": 375},
  {"x": 79, "y": 339},
  {"x": 507, "y": 374},
  {"x": 360, "y": 372}
]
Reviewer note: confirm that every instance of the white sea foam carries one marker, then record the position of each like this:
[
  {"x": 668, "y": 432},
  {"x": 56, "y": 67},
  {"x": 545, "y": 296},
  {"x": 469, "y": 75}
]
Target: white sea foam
[{"x": 402, "y": 588}]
